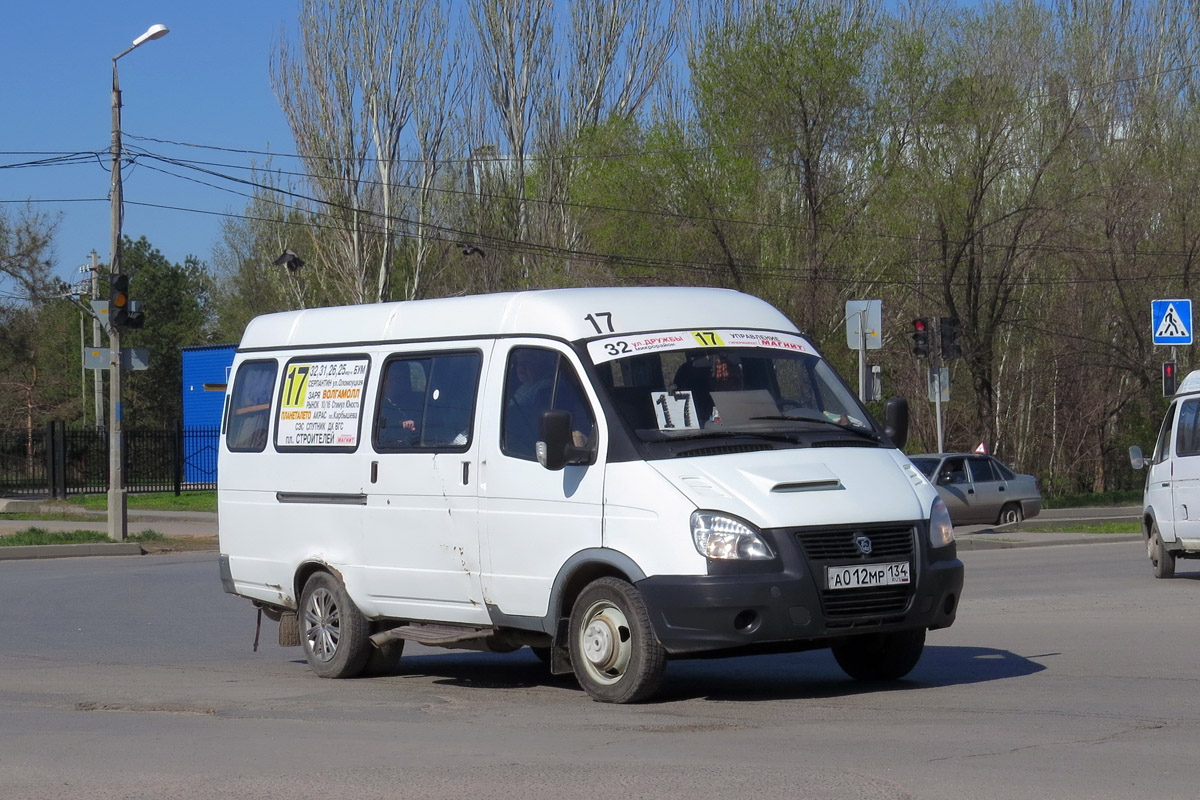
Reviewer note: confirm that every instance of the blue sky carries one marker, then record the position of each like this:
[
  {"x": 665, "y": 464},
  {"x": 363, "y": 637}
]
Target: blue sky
[{"x": 206, "y": 82}]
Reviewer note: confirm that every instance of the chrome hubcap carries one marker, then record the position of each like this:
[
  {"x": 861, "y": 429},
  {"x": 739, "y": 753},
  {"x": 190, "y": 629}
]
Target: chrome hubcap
[{"x": 322, "y": 625}]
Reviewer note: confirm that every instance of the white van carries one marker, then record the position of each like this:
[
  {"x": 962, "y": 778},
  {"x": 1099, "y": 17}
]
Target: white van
[
  {"x": 613, "y": 477},
  {"x": 1171, "y": 499}
]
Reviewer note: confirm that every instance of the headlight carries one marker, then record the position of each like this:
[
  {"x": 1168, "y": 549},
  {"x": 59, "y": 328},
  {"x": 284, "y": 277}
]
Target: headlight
[
  {"x": 722, "y": 537},
  {"x": 941, "y": 529}
]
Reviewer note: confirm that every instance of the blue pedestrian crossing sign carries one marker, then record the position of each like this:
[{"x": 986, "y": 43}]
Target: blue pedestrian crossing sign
[{"x": 1171, "y": 321}]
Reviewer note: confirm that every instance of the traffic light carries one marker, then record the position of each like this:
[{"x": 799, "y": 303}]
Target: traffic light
[
  {"x": 920, "y": 338},
  {"x": 123, "y": 312},
  {"x": 949, "y": 329},
  {"x": 1169, "y": 381}
]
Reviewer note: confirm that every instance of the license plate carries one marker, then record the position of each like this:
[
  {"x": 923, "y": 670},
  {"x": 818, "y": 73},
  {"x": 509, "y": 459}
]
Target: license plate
[{"x": 861, "y": 575}]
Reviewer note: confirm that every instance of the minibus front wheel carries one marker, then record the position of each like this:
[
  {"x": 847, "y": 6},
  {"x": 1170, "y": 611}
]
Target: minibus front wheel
[
  {"x": 614, "y": 653},
  {"x": 1162, "y": 559},
  {"x": 332, "y": 629}
]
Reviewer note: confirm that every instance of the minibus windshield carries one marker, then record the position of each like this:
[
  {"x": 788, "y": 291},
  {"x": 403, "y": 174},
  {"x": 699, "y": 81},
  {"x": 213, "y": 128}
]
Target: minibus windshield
[{"x": 700, "y": 384}]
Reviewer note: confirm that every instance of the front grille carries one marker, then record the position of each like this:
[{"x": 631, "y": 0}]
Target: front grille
[
  {"x": 837, "y": 546},
  {"x": 877, "y": 601},
  {"x": 831, "y": 545}
]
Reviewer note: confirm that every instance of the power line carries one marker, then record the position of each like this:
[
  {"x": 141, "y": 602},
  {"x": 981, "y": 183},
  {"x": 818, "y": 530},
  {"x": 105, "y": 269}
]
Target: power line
[{"x": 915, "y": 239}]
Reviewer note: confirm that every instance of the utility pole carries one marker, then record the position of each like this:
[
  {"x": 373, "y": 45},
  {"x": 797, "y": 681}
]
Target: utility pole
[
  {"x": 98, "y": 395},
  {"x": 118, "y": 512}
]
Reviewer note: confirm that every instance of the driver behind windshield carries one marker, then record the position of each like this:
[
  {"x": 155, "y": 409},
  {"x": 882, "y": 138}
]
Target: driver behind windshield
[{"x": 702, "y": 375}]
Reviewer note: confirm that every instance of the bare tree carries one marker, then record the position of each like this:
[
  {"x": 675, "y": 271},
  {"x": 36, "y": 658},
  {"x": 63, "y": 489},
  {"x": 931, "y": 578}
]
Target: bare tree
[
  {"x": 436, "y": 98},
  {"x": 513, "y": 54},
  {"x": 618, "y": 50},
  {"x": 348, "y": 96},
  {"x": 26, "y": 249}
]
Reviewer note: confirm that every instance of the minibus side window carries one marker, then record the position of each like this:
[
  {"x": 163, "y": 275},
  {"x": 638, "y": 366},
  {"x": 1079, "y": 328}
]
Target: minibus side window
[
  {"x": 1163, "y": 447},
  {"x": 250, "y": 408},
  {"x": 427, "y": 402},
  {"x": 540, "y": 380},
  {"x": 1187, "y": 442}
]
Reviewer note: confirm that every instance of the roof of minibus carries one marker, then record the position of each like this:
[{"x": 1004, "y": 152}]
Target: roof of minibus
[
  {"x": 1190, "y": 384},
  {"x": 561, "y": 313}
]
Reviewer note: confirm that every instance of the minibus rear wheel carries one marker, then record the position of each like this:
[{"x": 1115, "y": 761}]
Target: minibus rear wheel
[
  {"x": 332, "y": 629},
  {"x": 880, "y": 656},
  {"x": 614, "y": 653}
]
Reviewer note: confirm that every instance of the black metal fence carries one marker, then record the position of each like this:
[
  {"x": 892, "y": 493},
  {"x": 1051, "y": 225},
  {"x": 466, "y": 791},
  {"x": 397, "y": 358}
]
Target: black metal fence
[{"x": 56, "y": 461}]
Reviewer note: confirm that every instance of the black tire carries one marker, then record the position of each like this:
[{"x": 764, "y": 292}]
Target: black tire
[
  {"x": 333, "y": 632},
  {"x": 1161, "y": 559},
  {"x": 1010, "y": 514},
  {"x": 614, "y": 653},
  {"x": 881, "y": 656}
]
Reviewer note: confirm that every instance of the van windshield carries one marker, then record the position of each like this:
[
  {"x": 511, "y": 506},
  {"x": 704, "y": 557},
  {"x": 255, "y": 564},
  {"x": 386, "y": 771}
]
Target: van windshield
[{"x": 702, "y": 384}]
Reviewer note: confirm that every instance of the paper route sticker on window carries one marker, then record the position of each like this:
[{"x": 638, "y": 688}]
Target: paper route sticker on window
[
  {"x": 675, "y": 411},
  {"x": 320, "y": 404},
  {"x": 615, "y": 347}
]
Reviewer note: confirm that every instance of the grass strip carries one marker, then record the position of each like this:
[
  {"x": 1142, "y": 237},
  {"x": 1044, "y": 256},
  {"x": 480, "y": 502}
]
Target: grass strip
[
  {"x": 152, "y": 501},
  {"x": 1096, "y": 527},
  {"x": 41, "y": 536}
]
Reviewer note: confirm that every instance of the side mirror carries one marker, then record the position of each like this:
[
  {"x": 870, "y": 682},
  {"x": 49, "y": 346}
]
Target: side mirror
[
  {"x": 895, "y": 421},
  {"x": 555, "y": 445},
  {"x": 1135, "y": 457}
]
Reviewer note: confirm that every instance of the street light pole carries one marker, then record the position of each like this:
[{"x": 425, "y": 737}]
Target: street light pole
[{"x": 118, "y": 520}]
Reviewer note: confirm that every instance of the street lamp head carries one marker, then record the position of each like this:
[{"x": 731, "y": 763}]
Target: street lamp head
[{"x": 154, "y": 32}]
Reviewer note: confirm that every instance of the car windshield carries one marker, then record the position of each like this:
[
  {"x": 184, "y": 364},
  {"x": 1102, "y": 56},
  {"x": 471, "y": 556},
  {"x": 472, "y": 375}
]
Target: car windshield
[
  {"x": 926, "y": 465},
  {"x": 706, "y": 384}
]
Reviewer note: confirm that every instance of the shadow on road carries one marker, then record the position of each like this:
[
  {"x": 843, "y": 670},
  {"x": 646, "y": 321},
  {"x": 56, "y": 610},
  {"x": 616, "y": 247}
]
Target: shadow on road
[{"x": 813, "y": 674}]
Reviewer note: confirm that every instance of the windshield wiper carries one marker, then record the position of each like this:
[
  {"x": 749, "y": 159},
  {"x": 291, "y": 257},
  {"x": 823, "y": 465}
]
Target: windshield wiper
[
  {"x": 847, "y": 428},
  {"x": 770, "y": 437}
]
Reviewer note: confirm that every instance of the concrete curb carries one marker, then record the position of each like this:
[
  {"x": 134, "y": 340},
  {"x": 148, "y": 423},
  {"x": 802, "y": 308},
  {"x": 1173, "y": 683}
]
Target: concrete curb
[
  {"x": 1001, "y": 541},
  {"x": 20, "y": 552}
]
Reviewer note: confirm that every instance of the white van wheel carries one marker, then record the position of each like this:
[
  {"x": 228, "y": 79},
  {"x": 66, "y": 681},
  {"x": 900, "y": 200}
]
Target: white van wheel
[
  {"x": 614, "y": 653},
  {"x": 1161, "y": 559},
  {"x": 333, "y": 631},
  {"x": 880, "y": 656}
]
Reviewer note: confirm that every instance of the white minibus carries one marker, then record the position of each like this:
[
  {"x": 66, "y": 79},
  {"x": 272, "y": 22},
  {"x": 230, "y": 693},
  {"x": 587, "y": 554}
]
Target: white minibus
[
  {"x": 1171, "y": 498},
  {"x": 612, "y": 477}
]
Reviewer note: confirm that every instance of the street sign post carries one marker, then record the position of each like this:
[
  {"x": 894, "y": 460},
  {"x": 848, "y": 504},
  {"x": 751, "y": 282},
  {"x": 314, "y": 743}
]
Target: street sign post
[
  {"x": 939, "y": 384},
  {"x": 864, "y": 323},
  {"x": 856, "y": 325},
  {"x": 1171, "y": 321},
  {"x": 132, "y": 358},
  {"x": 939, "y": 392}
]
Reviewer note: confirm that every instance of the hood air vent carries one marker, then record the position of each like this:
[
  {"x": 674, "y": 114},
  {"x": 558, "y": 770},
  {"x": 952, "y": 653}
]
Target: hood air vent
[{"x": 808, "y": 486}]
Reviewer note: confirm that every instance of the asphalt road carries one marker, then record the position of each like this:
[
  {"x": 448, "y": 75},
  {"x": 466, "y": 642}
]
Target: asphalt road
[{"x": 1071, "y": 673}]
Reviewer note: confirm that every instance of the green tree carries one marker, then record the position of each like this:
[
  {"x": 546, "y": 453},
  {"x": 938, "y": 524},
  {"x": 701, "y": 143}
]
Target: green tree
[
  {"x": 40, "y": 357},
  {"x": 175, "y": 299},
  {"x": 38, "y": 334}
]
